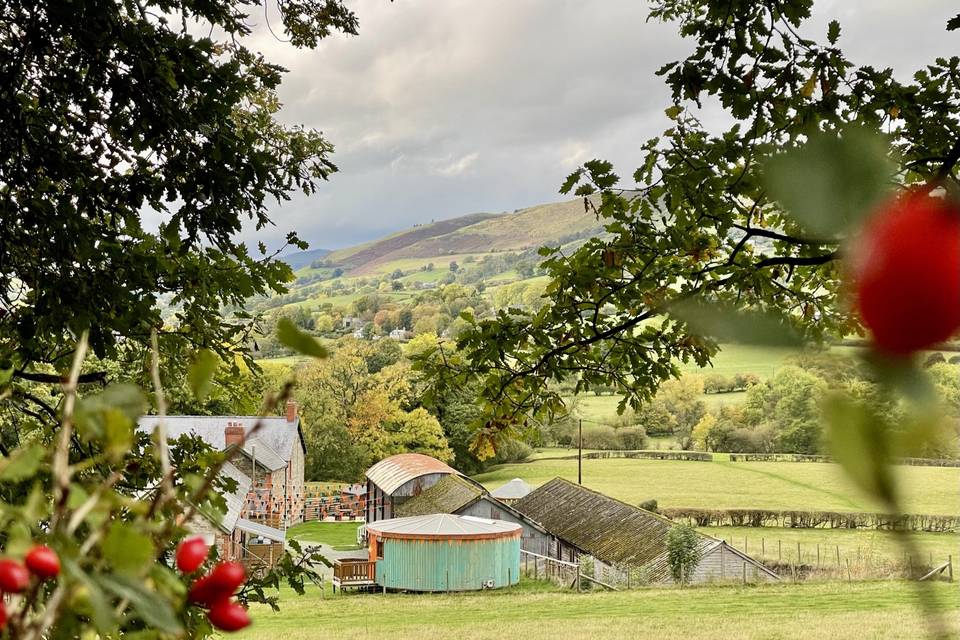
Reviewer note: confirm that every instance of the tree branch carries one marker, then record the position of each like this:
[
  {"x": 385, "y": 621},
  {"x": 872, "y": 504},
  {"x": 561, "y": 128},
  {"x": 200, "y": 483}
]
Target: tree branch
[{"x": 49, "y": 378}]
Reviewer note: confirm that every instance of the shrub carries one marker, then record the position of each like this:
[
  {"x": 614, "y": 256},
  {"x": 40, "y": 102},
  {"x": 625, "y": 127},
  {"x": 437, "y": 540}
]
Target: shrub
[
  {"x": 683, "y": 552},
  {"x": 511, "y": 450},
  {"x": 649, "y": 505},
  {"x": 632, "y": 437}
]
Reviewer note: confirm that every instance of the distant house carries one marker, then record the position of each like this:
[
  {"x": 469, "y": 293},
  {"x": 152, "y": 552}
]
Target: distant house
[
  {"x": 619, "y": 536},
  {"x": 272, "y": 459},
  {"x": 352, "y": 322},
  {"x": 400, "y": 334}
]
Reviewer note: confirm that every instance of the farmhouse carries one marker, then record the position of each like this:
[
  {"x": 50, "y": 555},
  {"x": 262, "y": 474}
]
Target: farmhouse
[
  {"x": 621, "y": 537},
  {"x": 273, "y": 458}
]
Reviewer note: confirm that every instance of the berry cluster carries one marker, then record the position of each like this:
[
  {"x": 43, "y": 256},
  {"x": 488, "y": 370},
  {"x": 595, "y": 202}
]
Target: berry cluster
[
  {"x": 215, "y": 590},
  {"x": 41, "y": 561}
]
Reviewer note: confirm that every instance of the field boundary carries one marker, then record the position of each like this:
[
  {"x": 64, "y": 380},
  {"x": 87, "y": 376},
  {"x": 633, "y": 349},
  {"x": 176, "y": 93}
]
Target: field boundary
[
  {"x": 794, "y": 519},
  {"x": 800, "y": 457}
]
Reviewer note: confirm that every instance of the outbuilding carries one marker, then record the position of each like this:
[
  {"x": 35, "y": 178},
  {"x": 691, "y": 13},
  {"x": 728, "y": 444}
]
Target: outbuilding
[
  {"x": 444, "y": 552},
  {"x": 396, "y": 479}
]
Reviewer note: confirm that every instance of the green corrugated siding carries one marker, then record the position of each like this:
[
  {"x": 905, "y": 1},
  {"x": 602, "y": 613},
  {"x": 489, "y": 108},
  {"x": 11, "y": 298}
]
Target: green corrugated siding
[{"x": 448, "y": 565}]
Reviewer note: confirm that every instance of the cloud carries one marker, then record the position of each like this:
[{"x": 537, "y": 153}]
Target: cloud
[{"x": 438, "y": 109}]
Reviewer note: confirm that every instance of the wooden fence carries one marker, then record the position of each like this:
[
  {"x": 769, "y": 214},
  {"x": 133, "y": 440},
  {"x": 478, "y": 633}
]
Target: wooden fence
[{"x": 812, "y": 519}]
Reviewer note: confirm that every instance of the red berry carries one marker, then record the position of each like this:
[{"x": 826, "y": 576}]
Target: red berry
[
  {"x": 228, "y": 616},
  {"x": 14, "y": 577},
  {"x": 226, "y": 577},
  {"x": 43, "y": 562},
  {"x": 907, "y": 273},
  {"x": 190, "y": 554},
  {"x": 202, "y": 593}
]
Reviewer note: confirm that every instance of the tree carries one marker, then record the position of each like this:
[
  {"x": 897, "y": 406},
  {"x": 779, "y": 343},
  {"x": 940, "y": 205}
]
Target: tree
[
  {"x": 701, "y": 225},
  {"x": 683, "y": 552}
]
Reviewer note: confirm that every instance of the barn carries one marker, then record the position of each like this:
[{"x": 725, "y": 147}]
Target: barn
[
  {"x": 624, "y": 540},
  {"x": 396, "y": 479},
  {"x": 443, "y": 552},
  {"x": 511, "y": 491}
]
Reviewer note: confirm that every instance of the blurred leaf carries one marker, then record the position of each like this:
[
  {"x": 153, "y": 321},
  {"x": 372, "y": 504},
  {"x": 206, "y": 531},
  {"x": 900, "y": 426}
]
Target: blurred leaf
[
  {"x": 201, "y": 371},
  {"x": 727, "y": 324},
  {"x": 127, "y": 550},
  {"x": 155, "y": 611},
  {"x": 860, "y": 442},
  {"x": 831, "y": 182},
  {"x": 110, "y": 414},
  {"x": 953, "y": 23},
  {"x": 100, "y": 610},
  {"x": 290, "y": 336},
  {"x": 23, "y": 463},
  {"x": 19, "y": 539},
  {"x": 904, "y": 377}
]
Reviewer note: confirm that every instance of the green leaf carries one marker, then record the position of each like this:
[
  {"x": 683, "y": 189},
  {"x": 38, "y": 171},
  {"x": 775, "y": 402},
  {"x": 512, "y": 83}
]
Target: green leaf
[
  {"x": 100, "y": 610},
  {"x": 201, "y": 371},
  {"x": 727, "y": 324},
  {"x": 110, "y": 415},
  {"x": 832, "y": 182},
  {"x": 154, "y": 610},
  {"x": 292, "y": 337},
  {"x": 860, "y": 442},
  {"x": 953, "y": 23},
  {"x": 23, "y": 463},
  {"x": 833, "y": 32},
  {"x": 673, "y": 112},
  {"x": 128, "y": 550}
]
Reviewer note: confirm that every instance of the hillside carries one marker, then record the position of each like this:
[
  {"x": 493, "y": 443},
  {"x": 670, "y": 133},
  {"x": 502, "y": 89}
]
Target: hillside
[
  {"x": 301, "y": 259},
  {"x": 473, "y": 234}
]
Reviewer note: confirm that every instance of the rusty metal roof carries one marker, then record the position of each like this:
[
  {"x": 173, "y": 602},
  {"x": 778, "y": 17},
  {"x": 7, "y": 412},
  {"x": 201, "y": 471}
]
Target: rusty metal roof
[
  {"x": 392, "y": 473},
  {"x": 611, "y": 531},
  {"x": 449, "y": 495},
  {"x": 444, "y": 526}
]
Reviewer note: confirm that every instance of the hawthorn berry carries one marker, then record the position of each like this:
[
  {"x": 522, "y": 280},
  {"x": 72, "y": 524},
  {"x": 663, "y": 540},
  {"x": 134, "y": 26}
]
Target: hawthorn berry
[
  {"x": 190, "y": 554},
  {"x": 228, "y": 616},
  {"x": 202, "y": 593},
  {"x": 42, "y": 561},
  {"x": 226, "y": 577},
  {"x": 906, "y": 270},
  {"x": 14, "y": 577}
]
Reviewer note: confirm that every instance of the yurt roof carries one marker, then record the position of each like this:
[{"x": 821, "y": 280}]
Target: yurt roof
[{"x": 444, "y": 526}]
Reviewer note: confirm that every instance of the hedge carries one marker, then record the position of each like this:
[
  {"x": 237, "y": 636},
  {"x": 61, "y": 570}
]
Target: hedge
[
  {"x": 799, "y": 457},
  {"x": 811, "y": 519},
  {"x": 696, "y": 456}
]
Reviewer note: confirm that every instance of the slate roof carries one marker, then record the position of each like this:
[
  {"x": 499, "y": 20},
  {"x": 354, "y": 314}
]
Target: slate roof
[
  {"x": 235, "y": 500},
  {"x": 276, "y": 432},
  {"x": 513, "y": 490},
  {"x": 261, "y": 530},
  {"x": 443, "y": 525},
  {"x": 392, "y": 473},
  {"x": 256, "y": 449},
  {"x": 610, "y": 530},
  {"x": 448, "y": 495}
]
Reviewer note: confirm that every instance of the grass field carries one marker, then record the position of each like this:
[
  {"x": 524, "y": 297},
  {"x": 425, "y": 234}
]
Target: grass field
[
  {"x": 855, "y": 545},
  {"x": 342, "y": 536},
  {"x": 756, "y": 485},
  {"x": 534, "y": 611}
]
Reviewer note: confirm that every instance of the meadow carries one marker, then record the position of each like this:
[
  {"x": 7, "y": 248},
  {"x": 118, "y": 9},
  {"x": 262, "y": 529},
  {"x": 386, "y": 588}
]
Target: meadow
[
  {"x": 727, "y": 485},
  {"x": 342, "y": 536},
  {"x": 539, "y": 611}
]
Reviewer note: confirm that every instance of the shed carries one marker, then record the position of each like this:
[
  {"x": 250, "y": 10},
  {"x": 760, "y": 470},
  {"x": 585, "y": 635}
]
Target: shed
[
  {"x": 623, "y": 536},
  {"x": 443, "y": 552},
  {"x": 511, "y": 491},
  {"x": 396, "y": 479}
]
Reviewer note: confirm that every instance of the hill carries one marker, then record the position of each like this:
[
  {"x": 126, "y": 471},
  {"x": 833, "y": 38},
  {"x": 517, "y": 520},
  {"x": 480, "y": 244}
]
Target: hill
[
  {"x": 473, "y": 234},
  {"x": 301, "y": 259}
]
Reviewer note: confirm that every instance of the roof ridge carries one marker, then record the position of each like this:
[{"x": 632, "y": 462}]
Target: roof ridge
[{"x": 662, "y": 518}]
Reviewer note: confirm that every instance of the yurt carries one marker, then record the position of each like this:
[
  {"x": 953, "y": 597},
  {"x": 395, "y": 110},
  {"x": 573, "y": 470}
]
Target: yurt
[{"x": 444, "y": 552}]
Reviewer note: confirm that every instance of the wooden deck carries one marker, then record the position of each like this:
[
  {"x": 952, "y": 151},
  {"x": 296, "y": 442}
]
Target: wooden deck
[{"x": 354, "y": 574}]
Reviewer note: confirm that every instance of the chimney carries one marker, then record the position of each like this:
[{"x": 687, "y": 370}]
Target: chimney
[
  {"x": 291, "y": 410},
  {"x": 233, "y": 434}
]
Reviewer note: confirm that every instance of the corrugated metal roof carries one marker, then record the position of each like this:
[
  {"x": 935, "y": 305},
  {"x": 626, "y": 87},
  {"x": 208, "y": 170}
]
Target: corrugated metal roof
[
  {"x": 443, "y": 525},
  {"x": 275, "y": 431},
  {"x": 513, "y": 490},
  {"x": 263, "y": 453},
  {"x": 392, "y": 473},
  {"x": 261, "y": 530},
  {"x": 611, "y": 531},
  {"x": 235, "y": 500},
  {"x": 449, "y": 495}
]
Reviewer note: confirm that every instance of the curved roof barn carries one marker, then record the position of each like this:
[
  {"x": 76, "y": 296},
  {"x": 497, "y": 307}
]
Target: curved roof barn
[{"x": 392, "y": 473}]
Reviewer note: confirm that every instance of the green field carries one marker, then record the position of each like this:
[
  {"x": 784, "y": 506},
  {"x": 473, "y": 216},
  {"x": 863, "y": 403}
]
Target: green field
[
  {"x": 534, "y": 611},
  {"x": 857, "y": 546},
  {"x": 342, "y": 536},
  {"x": 749, "y": 485}
]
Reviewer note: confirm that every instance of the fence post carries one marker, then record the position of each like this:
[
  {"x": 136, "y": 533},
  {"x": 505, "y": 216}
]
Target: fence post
[
  {"x": 763, "y": 547},
  {"x": 950, "y": 567},
  {"x": 798, "y": 553},
  {"x": 838, "y": 556},
  {"x": 818, "y": 555},
  {"x": 849, "y": 579}
]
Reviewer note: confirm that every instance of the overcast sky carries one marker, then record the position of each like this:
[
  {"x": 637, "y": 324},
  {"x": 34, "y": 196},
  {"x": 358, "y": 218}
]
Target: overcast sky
[{"x": 445, "y": 107}]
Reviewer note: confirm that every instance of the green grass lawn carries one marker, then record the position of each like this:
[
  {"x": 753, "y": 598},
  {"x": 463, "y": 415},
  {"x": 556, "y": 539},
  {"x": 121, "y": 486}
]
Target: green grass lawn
[
  {"x": 342, "y": 536},
  {"x": 861, "y": 610},
  {"x": 855, "y": 545},
  {"x": 752, "y": 485}
]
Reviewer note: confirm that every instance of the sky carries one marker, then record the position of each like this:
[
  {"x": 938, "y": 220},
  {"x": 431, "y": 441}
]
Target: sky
[{"x": 441, "y": 108}]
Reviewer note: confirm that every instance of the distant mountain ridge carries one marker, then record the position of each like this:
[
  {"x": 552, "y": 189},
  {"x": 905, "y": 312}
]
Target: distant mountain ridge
[
  {"x": 301, "y": 259},
  {"x": 474, "y": 233}
]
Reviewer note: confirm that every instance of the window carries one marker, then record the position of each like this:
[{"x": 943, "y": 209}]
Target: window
[{"x": 378, "y": 546}]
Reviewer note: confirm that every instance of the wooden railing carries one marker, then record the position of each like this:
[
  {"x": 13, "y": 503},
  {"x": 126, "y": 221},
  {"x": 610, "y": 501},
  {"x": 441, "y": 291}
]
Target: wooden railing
[{"x": 353, "y": 572}]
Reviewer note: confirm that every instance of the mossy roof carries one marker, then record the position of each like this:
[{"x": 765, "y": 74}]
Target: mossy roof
[{"x": 448, "y": 495}]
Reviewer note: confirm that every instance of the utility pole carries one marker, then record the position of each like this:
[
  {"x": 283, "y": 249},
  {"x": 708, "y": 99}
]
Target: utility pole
[{"x": 580, "y": 455}]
